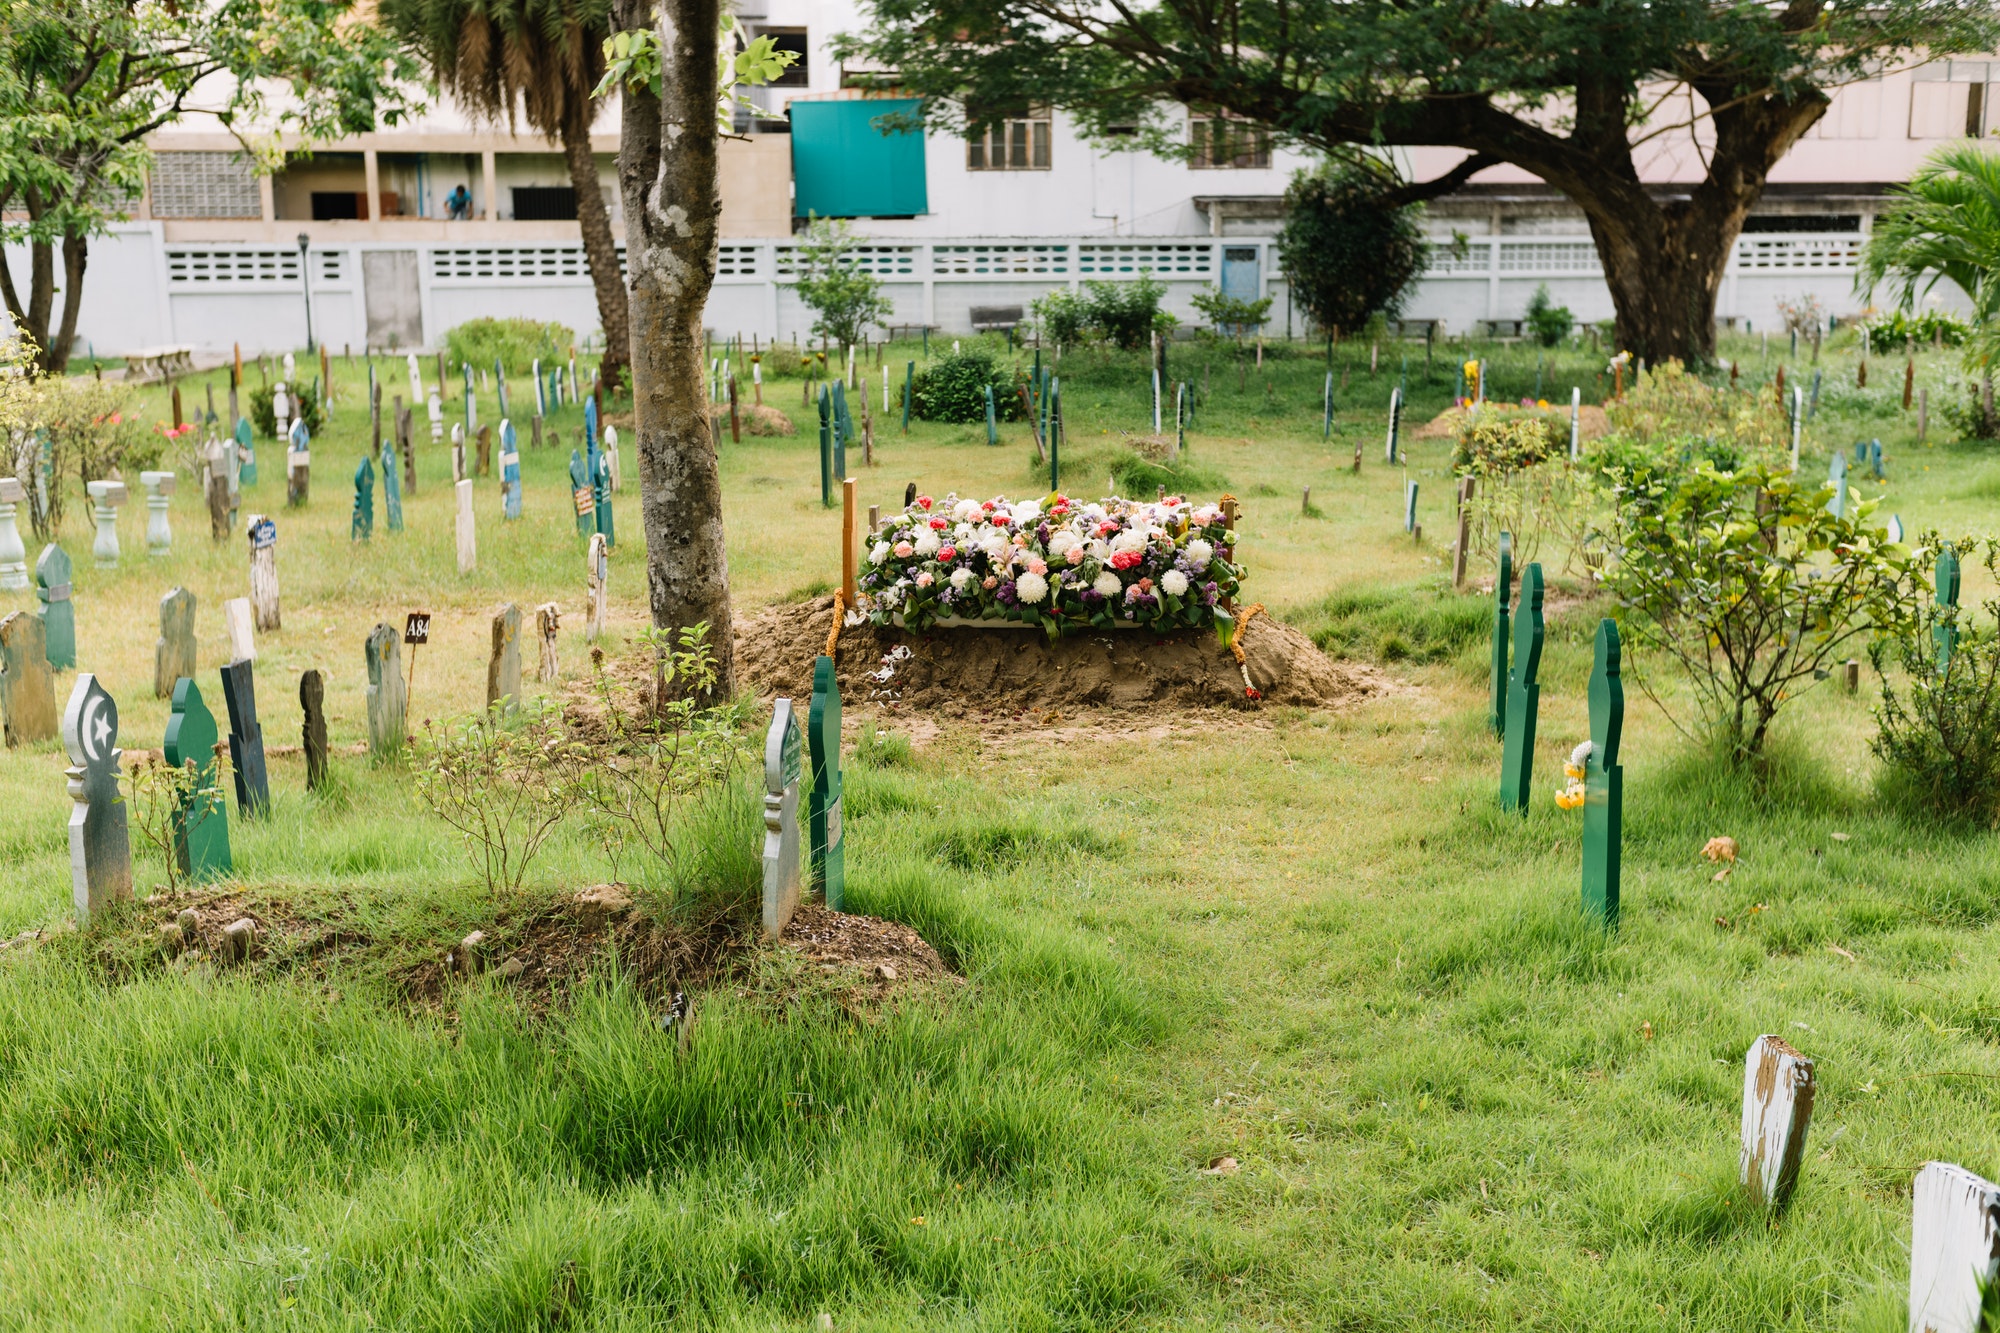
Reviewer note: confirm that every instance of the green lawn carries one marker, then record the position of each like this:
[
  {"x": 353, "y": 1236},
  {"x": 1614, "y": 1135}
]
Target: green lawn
[{"x": 1306, "y": 941}]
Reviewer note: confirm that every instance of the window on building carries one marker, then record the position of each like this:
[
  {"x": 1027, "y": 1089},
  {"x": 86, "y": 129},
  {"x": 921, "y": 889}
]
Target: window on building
[
  {"x": 1950, "y": 98},
  {"x": 1802, "y": 222},
  {"x": 337, "y": 205},
  {"x": 797, "y": 74},
  {"x": 1017, "y": 141},
  {"x": 545, "y": 203},
  {"x": 1228, "y": 141}
]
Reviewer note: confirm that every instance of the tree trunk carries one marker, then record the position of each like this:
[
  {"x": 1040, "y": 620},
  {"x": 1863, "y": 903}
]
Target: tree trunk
[
  {"x": 667, "y": 172},
  {"x": 76, "y": 258},
  {"x": 600, "y": 248}
]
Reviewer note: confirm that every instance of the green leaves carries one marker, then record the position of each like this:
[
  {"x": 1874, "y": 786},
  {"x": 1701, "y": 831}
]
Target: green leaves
[
  {"x": 633, "y": 60},
  {"x": 1945, "y": 224}
]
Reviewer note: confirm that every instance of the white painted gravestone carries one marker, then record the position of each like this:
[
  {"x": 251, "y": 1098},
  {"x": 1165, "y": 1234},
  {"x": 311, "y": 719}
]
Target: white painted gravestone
[
  {"x": 600, "y": 580},
  {"x": 159, "y": 492},
  {"x": 416, "y": 380},
  {"x": 105, "y": 497},
  {"x": 611, "y": 459},
  {"x": 1777, "y": 1108},
  {"x": 100, "y": 844},
  {"x": 457, "y": 452},
  {"x": 264, "y": 571},
  {"x": 239, "y": 619},
  {"x": 1954, "y": 1248},
  {"x": 468, "y": 546},
  {"x": 281, "y": 410},
  {"x": 783, "y": 746},
  {"x": 13, "y": 554},
  {"x": 436, "y": 412}
]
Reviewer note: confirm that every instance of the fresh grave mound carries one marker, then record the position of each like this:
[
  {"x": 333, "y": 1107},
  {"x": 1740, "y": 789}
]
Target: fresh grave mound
[
  {"x": 1591, "y": 423},
  {"x": 1014, "y": 669},
  {"x": 754, "y": 419}
]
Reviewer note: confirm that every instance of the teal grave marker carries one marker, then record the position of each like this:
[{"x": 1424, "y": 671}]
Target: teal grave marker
[
  {"x": 782, "y": 748},
  {"x": 53, "y": 588},
  {"x": 1604, "y": 780},
  {"x": 510, "y": 471},
  {"x": 1503, "y": 587},
  {"x": 582, "y": 493},
  {"x": 1837, "y": 478},
  {"x": 825, "y": 447},
  {"x": 1946, "y": 634},
  {"x": 829, "y": 851},
  {"x": 246, "y": 738},
  {"x": 992, "y": 427},
  {"x": 246, "y": 452},
  {"x": 392, "y": 488},
  {"x": 363, "y": 525},
  {"x": 201, "y": 820},
  {"x": 100, "y": 843},
  {"x": 298, "y": 466},
  {"x": 1524, "y": 695}
]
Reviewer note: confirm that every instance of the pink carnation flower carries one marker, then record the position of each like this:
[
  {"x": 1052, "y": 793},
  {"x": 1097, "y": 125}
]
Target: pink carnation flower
[{"x": 904, "y": 550}]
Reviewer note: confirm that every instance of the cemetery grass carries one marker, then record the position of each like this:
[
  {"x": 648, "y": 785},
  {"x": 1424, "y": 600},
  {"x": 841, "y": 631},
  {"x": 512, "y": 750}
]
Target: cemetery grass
[{"x": 1305, "y": 942}]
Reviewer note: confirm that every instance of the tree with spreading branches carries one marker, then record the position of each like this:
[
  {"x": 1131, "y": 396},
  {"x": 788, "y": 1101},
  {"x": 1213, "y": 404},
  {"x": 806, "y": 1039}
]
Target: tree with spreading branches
[{"x": 1578, "y": 92}]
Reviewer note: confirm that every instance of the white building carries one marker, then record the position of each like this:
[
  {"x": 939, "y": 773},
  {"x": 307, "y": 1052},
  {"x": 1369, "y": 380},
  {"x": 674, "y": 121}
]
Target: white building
[{"x": 212, "y": 255}]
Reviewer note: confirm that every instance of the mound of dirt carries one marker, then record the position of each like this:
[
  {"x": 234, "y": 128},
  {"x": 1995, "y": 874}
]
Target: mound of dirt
[
  {"x": 1013, "y": 670},
  {"x": 754, "y": 420},
  {"x": 1590, "y": 422}
]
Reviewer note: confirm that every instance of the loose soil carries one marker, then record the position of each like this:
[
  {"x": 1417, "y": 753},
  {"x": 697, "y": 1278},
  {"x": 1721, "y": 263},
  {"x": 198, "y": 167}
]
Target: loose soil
[
  {"x": 959, "y": 670},
  {"x": 1590, "y": 422}
]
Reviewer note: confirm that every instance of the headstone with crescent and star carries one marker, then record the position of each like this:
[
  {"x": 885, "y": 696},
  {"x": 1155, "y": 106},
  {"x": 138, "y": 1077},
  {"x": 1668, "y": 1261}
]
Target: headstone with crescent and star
[{"x": 100, "y": 843}]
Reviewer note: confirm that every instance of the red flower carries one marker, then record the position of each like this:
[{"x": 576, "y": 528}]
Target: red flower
[
  {"x": 948, "y": 554},
  {"x": 1126, "y": 559},
  {"x": 988, "y": 506},
  {"x": 1250, "y": 692},
  {"x": 923, "y": 502},
  {"x": 939, "y": 524},
  {"x": 1106, "y": 528}
]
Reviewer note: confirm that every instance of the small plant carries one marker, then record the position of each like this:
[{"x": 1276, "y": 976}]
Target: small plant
[
  {"x": 845, "y": 297},
  {"x": 1665, "y": 403},
  {"x": 952, "y": 389},
  {"x": 514, "y": 343},
  {"x": 1803, "y": 315},
  {"x": 1062, "y": 317},
  {"x": 1940, "y": 740},
  {"x": 305, "y": 403},
  {"x": 87, "y": 429},
  {"x": 1549, "y": 322},
  {"x": 1931, "y": 328},
  {"x": 1750, "y": 586},
  {"x": 503, "y": 783},
  {"x": 1232, "y": 316},
  {"x": 882, "y": 749},
  {"x": 158, "y": 796},
  {"x": 1127, "y": 314}
]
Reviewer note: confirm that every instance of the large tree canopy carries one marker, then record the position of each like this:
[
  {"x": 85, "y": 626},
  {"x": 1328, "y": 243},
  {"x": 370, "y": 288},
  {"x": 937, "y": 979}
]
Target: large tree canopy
[
  {"x": 83, "y": 82},
  {"x": 1573, "y": 92}
]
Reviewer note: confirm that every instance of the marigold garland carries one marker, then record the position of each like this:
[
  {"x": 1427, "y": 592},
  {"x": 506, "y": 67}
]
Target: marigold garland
[{"x": 1236, "y": 647}]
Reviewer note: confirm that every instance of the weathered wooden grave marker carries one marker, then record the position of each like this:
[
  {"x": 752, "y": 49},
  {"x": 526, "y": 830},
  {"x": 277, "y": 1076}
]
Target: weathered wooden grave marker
[
  {"x": 174, "y": 652},
  {"x": 1946, "y": 583},
  {"x": 312, "y": 728},
  {"x": 246, "y": 739},
  {"x": 159, "y": 498},
  {"x": 201, "y": 820},
  {"x": 362, "y": 526},
  {"x": 1777, "y": 1108},
  {"x": 216, "y": 493},
  {"x": 13, "y": 554},
  {"x": 100, "y": 843},
  {"x": 388, "y": 701},
  {"x": 468, "y": 541},
  {"x": 781, "y": 819},
  {"x": 298, "y": 466},
  {"x": 484, "y": 440},
  {"x": 503, "y": 666},
  {"x": 548, "y": 622},
  {"x": 106, "y": 497},
  {"x": 598, "y": 586},
  {"x": 263, "y": 535},
  {"x": 829, "y": 851},
  {"x": 457, "y": 453},
  {"x": 238, "y": 619},
  {"x": 27, "y": 688},
  {"x": 1954, "y": 1248},
  {"x": 1604, "y": 780},
  {"x": 53, "y": 587},
  {"x": 581, "y": 494},
  {"x": 1524, "y": 695},
  {"x": 1503, "y": 587}
]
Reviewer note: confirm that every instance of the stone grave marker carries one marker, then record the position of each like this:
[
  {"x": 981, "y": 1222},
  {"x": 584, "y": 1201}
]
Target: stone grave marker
[
  {"x": 388, "y": 700},
  {"x": 1777, "y": 1107},
  {"x": 216, "y": 492},
  {"x": 362, "y": 525},
  {"x": 240, "y": 620},
  {"x": 159, "y": 496},
  {"x": 245, "y": 473},
  {"x": 468, "y": 543},
  {"x": 485, "y": 441},
  {"x": 1954, "y": 1248},
  {"x": 457, "y": 453},
  {"x": 434, "y": 408},
  {"x": 781, "y": 820},
  {"x": 201, "y": 822},
  {"x": 392, "y": 490},
  {"x": 105, "y": 497},
  {"x": 298, "y": 466},
  {"x": 52, "y": 589},
  {"x": 612, "y": 458},
  {"x": 13, "y": 554},
  {"x": 1410, "y": 507},
  {"x": 1946, "y": 583},
  {"x": 599, "y": 580},
  {"x": 27, "y": 688},
  {"x": 548, "y": 621},
  {"x": 503, "y": 666},
  {"x": 580, "y": 491},
  {"x": 535, "y": 432},
  {"x": 829, "y": 851},
  {"x": 281, "y": 410},
  {"x": 601, "y": 487},
  {"x": 173, "y": 654},
  {"x": 1524, "y": 694},
  {"x": 246, "y": 739},
  {"x": 100, "y": 843},
  {"x": 541, "y": 389},
  {"x": 1604, "y": 780},
  {"x": 312, "y": 730},
  {"x": 510, "y": 471},
  {"x": 416, "y": 379},
  {"x": 263, "y": 535},
  {"x": 1503, "y": 587}
]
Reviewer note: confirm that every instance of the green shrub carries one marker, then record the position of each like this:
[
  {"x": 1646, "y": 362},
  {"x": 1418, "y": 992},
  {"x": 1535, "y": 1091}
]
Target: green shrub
[
  {"x": 1888, "y": 332},
  {"x": 1062, "y": 318},
  {"x": 952, "y": 389},
  {"x": 1940, "y": 741},
  {"x": 1231, "y": 315},
  {"x": 1347, "y": 249},
  {"x": 1141, "y": 477},
  {"x": 515, "y": 343},
  {"x": 1127, "y": 314},
  {"x": 1668, "y": 403},
  {"x": 1498, "y": 439},
  {"x": 1549, "y": 322},
  {"x": 305, "y": 403}
]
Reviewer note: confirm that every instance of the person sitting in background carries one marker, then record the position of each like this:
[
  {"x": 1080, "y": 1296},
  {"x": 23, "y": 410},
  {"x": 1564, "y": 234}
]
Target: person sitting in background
[{"x": 459, "y": 204}]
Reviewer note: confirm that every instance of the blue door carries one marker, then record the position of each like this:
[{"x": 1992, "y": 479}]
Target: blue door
[{"x": 1240, "y": 278}]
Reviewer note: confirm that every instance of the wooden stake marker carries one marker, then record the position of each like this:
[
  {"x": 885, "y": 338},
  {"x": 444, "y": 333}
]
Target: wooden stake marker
[
  {"x": 1777, "y": 1107},
  {"x": 847, "y": 517}
]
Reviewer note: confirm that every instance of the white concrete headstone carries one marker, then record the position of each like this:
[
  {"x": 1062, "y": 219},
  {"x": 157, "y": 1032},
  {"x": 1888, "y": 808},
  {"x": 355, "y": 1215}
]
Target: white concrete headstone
[
  {"x": 159, "y": 491},
  {"x": 782, "y": 872},
  {"x": 1954, "y": 1247},
  {"x": 13, "y": 554},
  {"x": 599, "y": 586},
  {"x": 468, "y": 547},
  {"x": 105, "y": 497},
  {"x": 1777, "y": 1108},
  {"x": 239, "y": 619}
]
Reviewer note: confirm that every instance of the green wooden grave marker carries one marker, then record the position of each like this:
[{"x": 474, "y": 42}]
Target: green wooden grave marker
[
  {"x": 909, "y": 383},
  {"x": 53, "y": 575},
  {"x": 1502, "y": 586},
  {"x": 825, "y": 447},
  {"x": 1604, "y": 781},
  {"x": 829, "y": 850},
  {"x": 1946, "y": 635},
  {"x": 362, "y": 526},
  {"x": 1524, "y": 695},
  {"x": 201, "y": 821}
]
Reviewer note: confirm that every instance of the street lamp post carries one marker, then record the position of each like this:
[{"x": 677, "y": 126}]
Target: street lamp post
[{"x": 305, "y": 279}]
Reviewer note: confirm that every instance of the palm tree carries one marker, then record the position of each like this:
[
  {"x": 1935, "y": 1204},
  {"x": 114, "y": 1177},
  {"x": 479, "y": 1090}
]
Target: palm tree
[
  {"x": 542, "y": 58},
  {"x": 1946, "y": 224}
]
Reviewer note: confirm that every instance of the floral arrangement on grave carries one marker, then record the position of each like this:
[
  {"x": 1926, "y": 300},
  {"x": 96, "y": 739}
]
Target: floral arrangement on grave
[{"x": 1059, "y": 563}]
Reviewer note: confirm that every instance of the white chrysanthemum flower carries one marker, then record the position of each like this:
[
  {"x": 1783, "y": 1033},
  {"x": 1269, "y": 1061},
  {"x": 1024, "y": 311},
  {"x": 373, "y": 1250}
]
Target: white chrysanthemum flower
[
  {"x": 965, "y": 510},
  {"x": 879, "y": 553},
  {"x": 1174, "y": 582},
  {"x": 1031, "y": 588},
  {"x": 961, "y": 578},
  {"x": 1027, "y": 511},
  {"x": 1199, "y": 553},
  {"x": 963, "y": 533},
  {"x": 1061, "y": 542},
  {"x": 1107, "y": 584},
  {"x": 927, "y": 544},
  {"x": 1132, "y": 539}
]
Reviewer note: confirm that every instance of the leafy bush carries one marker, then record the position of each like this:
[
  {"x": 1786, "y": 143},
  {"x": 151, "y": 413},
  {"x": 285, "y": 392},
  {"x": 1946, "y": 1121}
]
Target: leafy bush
[
  {"x": 87, "y": 428},
  {"x": 1665, "y": 403},
  {"x": 1063, "y": 317},
  {"x": 1347, "y": 248},
  {"x": 845, "y": 297},
  {"x": 1888, "y": 332},
  {"x": 1232, "y": 315},
  {"x": 503, "y": 783},
  {"x": 1498, "y": 439},
  {"x": 1549, "y": 322},
  {"x": 1967, "y": 407},
  {"x": 515, "y": 343},
  {"x": 1750, "y": 586},
  {"x": 305, "y": 403},
  {"x": 1127, "y": 314},
  {"x": 1941, "y": 741},
  {"x": 952, "y": 389}
]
